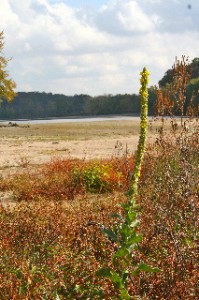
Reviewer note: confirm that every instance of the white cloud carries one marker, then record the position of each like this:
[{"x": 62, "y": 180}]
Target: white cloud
[
  {"x": 124, "y": 17},
  {"x": 61, "y": 49}
]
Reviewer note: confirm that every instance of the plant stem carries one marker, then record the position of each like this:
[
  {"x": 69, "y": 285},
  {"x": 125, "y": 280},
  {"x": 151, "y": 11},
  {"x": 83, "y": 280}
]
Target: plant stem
[{"x": 143, "y": 134}]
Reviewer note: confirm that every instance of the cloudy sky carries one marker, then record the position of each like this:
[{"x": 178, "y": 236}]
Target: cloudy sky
[{"x": 95, "y": 46}]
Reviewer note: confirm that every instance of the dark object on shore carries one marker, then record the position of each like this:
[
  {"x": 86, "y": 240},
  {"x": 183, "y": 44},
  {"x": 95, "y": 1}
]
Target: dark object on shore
[{"x": 13, "y": 124}]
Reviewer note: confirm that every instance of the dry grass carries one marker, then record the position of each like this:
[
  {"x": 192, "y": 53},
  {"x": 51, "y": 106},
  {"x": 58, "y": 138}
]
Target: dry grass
[
  {"x": 72, "y": 131},
  {"x": 48, "y": 250}
]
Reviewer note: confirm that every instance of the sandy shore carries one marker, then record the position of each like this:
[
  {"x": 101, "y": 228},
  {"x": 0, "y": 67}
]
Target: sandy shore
[
  {"x": 35, "y": 145},
  {"x": 15, "y": 153}
]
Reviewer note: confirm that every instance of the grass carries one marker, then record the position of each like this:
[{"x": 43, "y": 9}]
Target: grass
[{"x": 51, "y": 243}]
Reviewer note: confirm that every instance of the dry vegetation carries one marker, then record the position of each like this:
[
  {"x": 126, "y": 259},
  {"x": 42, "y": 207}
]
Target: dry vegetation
[
  {"x": 52, "y": 218},
  {"x": 49, "y": 251}
]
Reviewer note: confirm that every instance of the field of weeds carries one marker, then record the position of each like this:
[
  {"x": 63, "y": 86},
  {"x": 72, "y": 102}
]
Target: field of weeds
[
  {"x": 51, "y": 241},
  {"x": 121, "y": 228}
]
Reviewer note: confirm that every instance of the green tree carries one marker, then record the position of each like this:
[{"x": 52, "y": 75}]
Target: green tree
[
  {"x": 7, "y": 85},
  {"x": 192, "y": 97},
  {"x": 195, "y": 68},
  {"x": 167, "y": 78},
  {"x": 192, "y": 68}
]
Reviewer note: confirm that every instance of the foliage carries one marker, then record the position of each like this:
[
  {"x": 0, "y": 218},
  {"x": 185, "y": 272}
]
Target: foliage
[
  {"x": 177, "y": 93},
  {"x": 192, "y": 97},
  {"x": 169, "y": 203},
  {"x": 97, "y": 178},
  {"x": 66, "y": 179},
  {"x": 192, "y": 68},
  {"x": 49, "y": 251},
  {"x": 52, "y": 249},
  {"x": 173, "y": 205},
  {"x": 180, "y": 97},
  {"x": 7, "y": 85}
]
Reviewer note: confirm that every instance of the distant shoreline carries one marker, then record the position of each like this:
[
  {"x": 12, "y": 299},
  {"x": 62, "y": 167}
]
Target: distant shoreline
[{"x": 72, "y": 117}]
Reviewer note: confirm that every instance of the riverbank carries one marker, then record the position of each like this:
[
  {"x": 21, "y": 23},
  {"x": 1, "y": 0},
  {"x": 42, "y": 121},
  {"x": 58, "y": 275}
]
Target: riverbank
[{"x": 39, "y": 143}]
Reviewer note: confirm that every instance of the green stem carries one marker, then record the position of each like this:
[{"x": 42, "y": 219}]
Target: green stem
[
  {"x": 124, "y": 234},
  {"x": 143, "y": 134}
]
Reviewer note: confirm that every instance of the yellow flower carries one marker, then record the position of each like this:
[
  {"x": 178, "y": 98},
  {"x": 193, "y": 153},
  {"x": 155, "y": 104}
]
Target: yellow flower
[{"x": 143, "y": 133}]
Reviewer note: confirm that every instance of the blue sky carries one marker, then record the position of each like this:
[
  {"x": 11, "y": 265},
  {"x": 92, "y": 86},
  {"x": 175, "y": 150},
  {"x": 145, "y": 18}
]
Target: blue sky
[
  {"x": 95, "y": 47},
  {"x": 81, "y": 3}
]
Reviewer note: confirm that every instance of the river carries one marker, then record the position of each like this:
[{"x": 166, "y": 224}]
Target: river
[{"x": 69, "y": 120}]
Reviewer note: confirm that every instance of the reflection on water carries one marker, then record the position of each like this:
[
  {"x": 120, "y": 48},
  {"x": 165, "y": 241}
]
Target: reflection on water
[{"x": 70, "y": 120}]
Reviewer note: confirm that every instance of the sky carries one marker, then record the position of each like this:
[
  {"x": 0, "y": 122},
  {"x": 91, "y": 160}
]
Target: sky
[{"x": 95, "y": 47}]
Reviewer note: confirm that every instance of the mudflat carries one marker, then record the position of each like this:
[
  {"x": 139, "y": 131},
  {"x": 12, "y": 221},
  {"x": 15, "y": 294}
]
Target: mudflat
[{"x": 38, "y": 144}]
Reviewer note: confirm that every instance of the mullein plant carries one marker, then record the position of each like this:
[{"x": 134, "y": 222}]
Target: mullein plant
[
  {"x": 143, "y": 134},
  {"x": 125, "y": 234}
]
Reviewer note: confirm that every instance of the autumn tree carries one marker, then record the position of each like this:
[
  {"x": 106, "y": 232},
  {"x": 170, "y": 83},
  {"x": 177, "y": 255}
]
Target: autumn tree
[{"x": 7, "y": 85}]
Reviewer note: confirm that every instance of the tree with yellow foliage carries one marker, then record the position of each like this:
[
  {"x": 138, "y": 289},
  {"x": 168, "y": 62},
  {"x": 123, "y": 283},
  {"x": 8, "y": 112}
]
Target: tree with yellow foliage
[{"x": 7, "y": 85}]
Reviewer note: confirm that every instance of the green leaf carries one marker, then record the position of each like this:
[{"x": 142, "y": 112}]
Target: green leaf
[
  {"x": 125, "y": 206},
  {"x": 110, "y": 234},
  {"x": 124, "y": 295},
  {"x": 131, "y": 216},
  {"x": 112, "y": 275},
  {"x": 145, "y": 268},
  {"x": 116, "y": 279},
  {"x": 108, "y": 273},
  {"x": 104, "y": 272},
  {"x": 125, "y": 231},
  {"x": 121, "y": 252},
  {"x": 134, "y": 239}
]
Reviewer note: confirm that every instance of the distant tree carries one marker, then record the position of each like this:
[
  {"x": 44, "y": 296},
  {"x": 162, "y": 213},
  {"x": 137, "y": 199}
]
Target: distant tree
[
  {"x": 192, "y": 97},
  {"x": 151, "y": 100},
  {"x": 195, "y": 68},
  {"x": 7, "y": 85},
  {"x": 178, "y": 92},
  {"x": 167, "y": 78},
  {"x": 192, "y": 68}
]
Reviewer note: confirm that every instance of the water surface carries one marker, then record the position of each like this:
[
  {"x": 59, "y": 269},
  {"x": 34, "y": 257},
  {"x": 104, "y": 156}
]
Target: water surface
[{"x": 70, "y": 120}]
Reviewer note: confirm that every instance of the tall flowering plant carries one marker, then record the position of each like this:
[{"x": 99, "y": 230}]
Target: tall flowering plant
[{"x": 124, "y": 234}]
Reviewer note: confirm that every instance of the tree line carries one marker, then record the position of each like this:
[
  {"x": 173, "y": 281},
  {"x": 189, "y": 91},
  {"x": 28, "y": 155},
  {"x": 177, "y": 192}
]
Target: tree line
[
  {"x": 48, "y": 105},
  {"x": 33, "y": 105}
]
